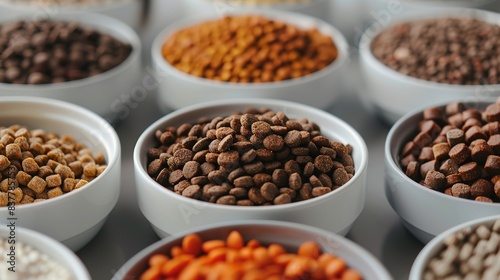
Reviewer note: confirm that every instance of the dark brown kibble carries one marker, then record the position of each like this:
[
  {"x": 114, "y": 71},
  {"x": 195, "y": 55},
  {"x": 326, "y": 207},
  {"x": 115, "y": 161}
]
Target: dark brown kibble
[
  {"x": 436, "y": 114},
  {"x": 480, "y": 151},
  {"x": 474, "y": 133},
  {"x": 449, "y": 167},
  {"x": 460, "y": 153},
  {"x": 461, "y": 190},
  {"x": 453, "y": 179},
  {"x": 269, "y": 191},
  {"x": 435, "y": 180},
  {"x": 340, "y": 177},
  {"x": 319, "y": 191},
  {"x": 413, "y": 170},
  {"x": 481, "y": 187},
  {"x": 483, "y": 199},
  {"x": 193, "y": 191},
  {"x": 494, "y": 143},
  {"x": 492, "y": 112},
  {"x": 426, "y": 154},
  {"x": 428, "y": 166},
  {"x": 282, "y": 199},
  {"x": 455, "y": 136},
  {"x": 469, "y": 171},
  {"x": 255, "y": 196},
  {"x": 422, "y": 140},
  {"x": 191, "y": 169}
]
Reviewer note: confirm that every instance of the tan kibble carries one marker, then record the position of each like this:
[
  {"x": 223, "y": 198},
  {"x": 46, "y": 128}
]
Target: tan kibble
[
  {"x": 4, "y": 162},
  {"x": 4, "y": 199},
  {"x": 23, "y": 178},
  {"x": 101, "y": 169},
  {"x": 56, "y": 155},
  {"x": 53, "y": 180},
  {"x": 76, "y": 167},
  {"x": 90, "y": 170},
  {"x": 27, "y": 199},
  {"x": 44, "y": 171},
  {"x": 30, "y": 166},
  {"x": 64, "y": 171},
  {"x": 37, "y": 184},
  {"x": 80, "y": 184},
  {"x": 23, "y": 143},
  {"x": 69, "y": 185},
  {"x": 54, "y": 192},
  {"x": 248, "y": 49},
  {"x": 13, "y": 151},
  {"x": 18, "y": 194}
]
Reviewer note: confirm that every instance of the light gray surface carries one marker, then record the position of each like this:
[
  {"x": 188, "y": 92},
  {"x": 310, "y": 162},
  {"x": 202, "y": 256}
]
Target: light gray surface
[{"x": 126, "y": 231}]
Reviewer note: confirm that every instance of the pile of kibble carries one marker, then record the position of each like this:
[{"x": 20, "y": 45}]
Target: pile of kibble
[
  {"x": 48, "y": 51},
  {"x": 248, "y": 49},
  {"x": 29, "y": 263},
  {"x": 449, "y": 50},
  {"x": 457, "y": 151},
  {"x": 36, "y": 165},
  {"x": 257, "y": 157},
  {"x": 471, "y": 253}
]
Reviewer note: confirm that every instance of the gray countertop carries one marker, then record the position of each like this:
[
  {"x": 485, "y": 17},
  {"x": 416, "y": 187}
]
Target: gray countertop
[{"x": 378, "y": 228}]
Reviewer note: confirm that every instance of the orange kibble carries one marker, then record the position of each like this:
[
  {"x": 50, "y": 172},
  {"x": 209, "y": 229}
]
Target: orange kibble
[
  {"x": 191, "y": 244},
  {"x": 157, "y": 260},
  {"x": 261, "y": 256},
  {"x": 275, "y": 250},
  {"x": 196, "y": 259},
  {"x": 210, "y": 245},
  {"x": 235, "y": 240},
  {"x": 152, "y": 273},
  {"x": 335, "y": 267},
  {"x": 175, "y": 266},
  {"x": 351, "y": 274},
  {"x": 309, "y": 249},
  {"x": 253, "y": 243}
]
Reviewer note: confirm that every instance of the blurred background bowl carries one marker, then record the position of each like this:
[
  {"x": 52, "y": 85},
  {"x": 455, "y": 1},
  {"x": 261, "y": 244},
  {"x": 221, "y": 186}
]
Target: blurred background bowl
[
  {"x": 100, "y": 93},
  {"x": 289, "y": 235},
  {"x": 425, "y": 212},
  {"x": 436, "y": 245},
  {"x": 73, "y": 218},
  {"x": 48, "y": 246},
  {"x": 390, "y": 94},
  {"x": 178, "y": 89},
  {"x": 170, "y": 213},
  {"x": 127, "y": 11},
  {"x": 314, "y": 8},
  {"x": 382, "y": 7}
]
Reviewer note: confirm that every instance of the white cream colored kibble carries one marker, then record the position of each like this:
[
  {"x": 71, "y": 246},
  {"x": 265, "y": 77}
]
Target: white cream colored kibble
[
  {"x": 470, "y": 254},
  {"x": 30, "y": 264}
]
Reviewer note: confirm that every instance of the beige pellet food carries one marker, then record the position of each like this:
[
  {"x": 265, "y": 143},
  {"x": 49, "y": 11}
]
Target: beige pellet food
[{"x": 36, "y": 165}]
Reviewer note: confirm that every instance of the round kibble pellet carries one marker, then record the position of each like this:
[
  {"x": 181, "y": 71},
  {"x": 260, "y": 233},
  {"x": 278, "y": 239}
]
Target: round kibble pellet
[
  {"x": 36, "y": 178},
  {"x": 470, "y": 253},
  {"x": 260, "y": 165},
  {"x": 48, "y": 51},
  {"x": 473, "y": 159},
  {"x": 249, "y": 49},
  {"x": 460, "y": 54}
]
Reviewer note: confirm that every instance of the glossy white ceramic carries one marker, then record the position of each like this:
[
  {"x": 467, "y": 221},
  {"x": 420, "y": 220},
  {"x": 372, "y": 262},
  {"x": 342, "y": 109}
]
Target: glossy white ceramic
[
  {"x": 290, "y": 235},
  {"x": 103, "y": 93},
  {"x": 436, "y": 245},
  {"x": 425, "y": 212},
  {"x": 391, "y": 94},
  {"x": 170, "y": 213},
  {"x": 49, "y": 247},
  {"x": 75, "y": 217},
  {"x": 178, "y": 89}
]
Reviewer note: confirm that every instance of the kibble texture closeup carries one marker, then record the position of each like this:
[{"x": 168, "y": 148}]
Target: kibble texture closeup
[
  {"x": 256, "y": 157},
  {"x": 50, "y": 51},
  {"x": 248, "y": 49},
  {"x": 36, "y": 165},
  {"x": 448, "y": 50},
  {"x": 456, "y": 150},
  {"x": 471, "y": 253}
]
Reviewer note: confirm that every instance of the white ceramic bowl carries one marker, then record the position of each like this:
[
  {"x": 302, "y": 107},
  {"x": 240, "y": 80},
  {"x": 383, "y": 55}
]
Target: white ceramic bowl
[
  {"x": 320, "y": 89},
  {"x": 391, "y": 94},
  {"x": 381, "y": 8},
  {"x": 127, "y": 11},
  {"x": 290, "y": 235},
  {"x": 75, "y": 217},
  {"x": 170, "y": 213},
  {"x": 101, "y": 93},
  {"x": 425, "y": 212},
  {"x": 50, "y": 247},
  {"x": 315, "y": 8},
  {"x": 437, "y": 244}
]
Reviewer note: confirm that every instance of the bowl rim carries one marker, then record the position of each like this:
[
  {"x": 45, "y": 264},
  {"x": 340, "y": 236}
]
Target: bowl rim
[
  {"x": 34, "y": 238},
  {"x": 444, "y": 2},
  {"x": 110, "y": 136},
  {"x": 366, "y": 40},
  {"x": 392, "y": 137},
  {"x": 425, "y": 254},
  {"x": 166, "y": 69},
  {"x": 94, "y": 21},
  {"x": 87, "y": 7},
  {"x": 359, "y": 250},
  {"x": 146, "y": 134}
]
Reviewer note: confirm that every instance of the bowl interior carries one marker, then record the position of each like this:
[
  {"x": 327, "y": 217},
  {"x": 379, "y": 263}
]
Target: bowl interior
[
  {"x": 290, "y": 235},
  {"x": 331, "y": 127},
  {"x": 296, "y": 19},
  {"x": 50, "y": 247}
]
